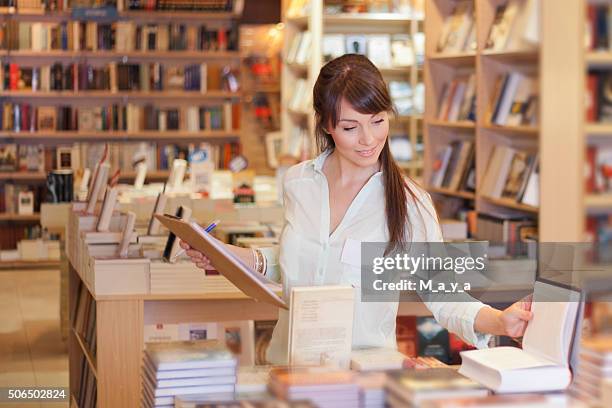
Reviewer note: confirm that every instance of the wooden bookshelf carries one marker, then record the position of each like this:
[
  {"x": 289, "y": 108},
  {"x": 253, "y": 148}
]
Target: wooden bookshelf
[
  {"x": 75, "y": 55},
  {"x": 487, "y": 65},
  {"x": 320, "y": 24}
]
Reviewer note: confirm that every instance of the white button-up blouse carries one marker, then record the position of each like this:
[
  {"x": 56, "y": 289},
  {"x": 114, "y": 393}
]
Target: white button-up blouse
[{"x": 308, "y": 255}]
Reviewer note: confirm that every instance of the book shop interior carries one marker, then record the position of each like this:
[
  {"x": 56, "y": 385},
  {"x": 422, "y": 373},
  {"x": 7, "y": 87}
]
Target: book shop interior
[{"x": 305, "y": 203}]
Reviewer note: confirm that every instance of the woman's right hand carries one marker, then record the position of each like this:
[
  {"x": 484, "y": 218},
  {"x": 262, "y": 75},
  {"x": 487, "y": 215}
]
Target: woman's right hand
[{"x": 197, "y": 257}]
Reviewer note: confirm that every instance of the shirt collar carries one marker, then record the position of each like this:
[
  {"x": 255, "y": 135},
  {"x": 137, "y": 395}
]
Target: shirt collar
[{"x": 318, "y": 161}]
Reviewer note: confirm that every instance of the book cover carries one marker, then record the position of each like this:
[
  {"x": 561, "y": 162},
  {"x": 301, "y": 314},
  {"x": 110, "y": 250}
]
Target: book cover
[
  {"x": 190, "y": 355},
  {"x": 432, "y": 339}
]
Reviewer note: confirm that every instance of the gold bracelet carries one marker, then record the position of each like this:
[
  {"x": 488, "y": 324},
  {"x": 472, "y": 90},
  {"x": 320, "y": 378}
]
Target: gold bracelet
[{"x": 260, "y": 262}]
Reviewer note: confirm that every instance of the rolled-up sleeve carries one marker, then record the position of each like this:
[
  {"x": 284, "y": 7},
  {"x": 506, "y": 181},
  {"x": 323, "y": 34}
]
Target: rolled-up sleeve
[{"x": 457, "y": 316}]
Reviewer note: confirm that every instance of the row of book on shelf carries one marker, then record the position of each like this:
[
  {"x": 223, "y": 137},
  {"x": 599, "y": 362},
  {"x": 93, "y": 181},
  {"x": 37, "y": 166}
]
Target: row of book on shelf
[
  {"x": 599, "y": 32},
  {"x": 407, "y": 100},
  {"x": 119, "y": 77},
  {"x": 514, "y": 27},
  {"x": 15, "y": 117},
  {"x": 220, "y": 6},
  {"x": 514, "y": 100},
  {"x": 120, "y": 36},
  {"x": 511, "y": 173},
  {"x": 384, "y": 50}
]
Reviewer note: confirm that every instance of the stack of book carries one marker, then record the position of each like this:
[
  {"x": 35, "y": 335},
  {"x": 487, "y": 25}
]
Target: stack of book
[
  {"x": 413, "y": 387},
  {"x": 594, "y": 370},
  {"x": 323, "y": 386},
  {"x": 371, "y": 390},
  {"x": 187, "y": 367}
]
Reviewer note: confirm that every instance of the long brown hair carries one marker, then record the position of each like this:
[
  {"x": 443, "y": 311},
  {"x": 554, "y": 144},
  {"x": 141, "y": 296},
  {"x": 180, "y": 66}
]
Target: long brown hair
[{"x": 355, "y": 79}]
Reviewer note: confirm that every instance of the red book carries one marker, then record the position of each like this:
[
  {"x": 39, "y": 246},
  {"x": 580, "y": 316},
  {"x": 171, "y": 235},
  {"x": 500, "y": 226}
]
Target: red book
[
  {"x": 25, "y": 113},
  {"x": 222, "y": 39},
  {"x": 13, "y": 76},
  {"x": 592, "y": 106},
  {"x": 592, "y": 25},
  {"x": 590, "y": 176}
]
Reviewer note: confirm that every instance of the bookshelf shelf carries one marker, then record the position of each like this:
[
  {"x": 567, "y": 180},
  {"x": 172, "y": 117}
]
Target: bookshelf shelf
[
  {"x": 300, "y": 69},
  {"x": 598, "y": 58},
  {"x": 210, "y": 135},
  {"x": 136, "y": 95},
  {"x": 514, "y": 57},
  {"x": 452, "y": 125},
  {"x": 163, "y": 15},
  {"x": 410, "y": 165},
  {"x": 598, "y": 129},
  {"x": 88, "y": 356},
  {"x": 22, "y": 175},
  {"x": 507, "y": 203},
  {"x": 460, "y": 59},
  {"x": 531, "y": 131},
  {"x": 19, "y": 217},
  {"x": 300, "y": 115},
  {"x": 598, "y": 201},
  {"x": 452, "y": 193},
  {"x": 383, "y": 19},
  {"x": 404, "y": 71},
  {"x": 299, "y": 21},
  {"x": 45, "y": 264}
]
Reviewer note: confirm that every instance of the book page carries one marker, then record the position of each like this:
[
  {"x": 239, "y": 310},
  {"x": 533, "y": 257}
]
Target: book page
[
  {"x": 549, "y": 333},
  {"x": 321, "y": 326}
]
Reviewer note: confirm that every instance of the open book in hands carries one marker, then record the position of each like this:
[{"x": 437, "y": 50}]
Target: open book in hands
[{"x": 543, "y": 362}]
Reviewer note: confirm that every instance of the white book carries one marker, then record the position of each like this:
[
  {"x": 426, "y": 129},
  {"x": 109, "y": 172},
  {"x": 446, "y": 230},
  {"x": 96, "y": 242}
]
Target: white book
[
  {"x": 304, "y": 49},
  {"x": 293, "y": 48},
  {"x": 379, "y": 50},
  {"x": 531, "y": 196},
  {"x": 321, "y": 325},
  {"x": 377, "y": 358},
  {"x": 37, "y": 37},
  {"x": 332, "y": 46},
  {"x": 507, "y": 97},
  {"x": 543, "y": 362},
  {"x": 455, "y": 106}
]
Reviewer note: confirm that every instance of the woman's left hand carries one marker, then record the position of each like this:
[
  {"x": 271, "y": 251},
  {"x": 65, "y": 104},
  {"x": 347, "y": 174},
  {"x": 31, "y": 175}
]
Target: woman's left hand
[{"x": 514, "y": 319}]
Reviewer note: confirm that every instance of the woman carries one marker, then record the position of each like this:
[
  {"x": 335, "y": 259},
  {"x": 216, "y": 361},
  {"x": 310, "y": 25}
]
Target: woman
[{"x": 353, "y": 192}]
